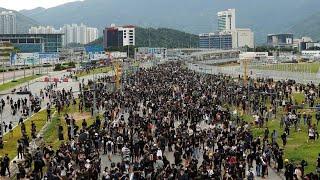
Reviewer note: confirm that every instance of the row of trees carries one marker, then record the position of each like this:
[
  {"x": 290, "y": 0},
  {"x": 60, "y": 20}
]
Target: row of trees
[{"x": 161, "y": 37}]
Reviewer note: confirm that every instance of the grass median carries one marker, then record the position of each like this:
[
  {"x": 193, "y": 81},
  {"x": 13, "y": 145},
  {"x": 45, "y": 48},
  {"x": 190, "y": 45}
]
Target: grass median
[
  {"x": 10, "y": 140},
  {"x": 291, "y": 67},
  {"x": 95, "y": 71},
  {"x": 298, "y": 147},
  {"x": 12, "y": 84},
  {"x": 51, "y": 134}
]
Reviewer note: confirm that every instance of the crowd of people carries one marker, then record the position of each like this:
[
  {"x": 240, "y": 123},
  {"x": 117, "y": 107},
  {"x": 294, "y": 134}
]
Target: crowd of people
[{"x": 168, "y": 122}]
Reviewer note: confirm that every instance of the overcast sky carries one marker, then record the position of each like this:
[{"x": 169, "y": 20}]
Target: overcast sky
[{"x": 30, "y": 4}]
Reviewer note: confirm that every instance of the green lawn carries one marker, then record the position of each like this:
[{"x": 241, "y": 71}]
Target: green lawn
[
  {"x": 298, "y": 148},
  {"x": 13, "y": 84},
  {"x": 293, "y": 67},
  {"x": 10, "y": 142},
  {"x": 95, "y": 71},
  {"x": 51, "y": 134}
]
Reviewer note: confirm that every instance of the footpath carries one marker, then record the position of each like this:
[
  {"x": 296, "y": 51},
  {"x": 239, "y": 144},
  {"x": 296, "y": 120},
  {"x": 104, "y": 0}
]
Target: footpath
[{"x": 35, "y": 87}]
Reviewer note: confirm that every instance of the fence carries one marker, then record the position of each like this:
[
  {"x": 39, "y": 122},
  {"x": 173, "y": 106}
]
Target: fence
[{"x": 300, "y": 77}]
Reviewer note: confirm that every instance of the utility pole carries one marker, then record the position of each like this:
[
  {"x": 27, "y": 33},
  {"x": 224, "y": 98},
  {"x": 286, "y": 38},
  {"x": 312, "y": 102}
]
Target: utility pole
[
  {"x": 14, "y": 70},
  {"x": 1, "y": 131},
  {"x": 24, "y": 67},
  {"x": 128, "y": 51},
  {"x": 94, "y": 96},
  {"x": 4, "y": 70},
  {"x": 39, "y": 66},
  {"x": 33, "y": 67}
]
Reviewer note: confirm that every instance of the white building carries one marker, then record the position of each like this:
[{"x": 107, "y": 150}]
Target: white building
[
  {"x": 228, "y": 36},
  {"x": 254, "y": 55},
  {"x": 242, "y": 37},
  {"x": 72, "y": 33},
  {"x": 129, "y": 35},
  {"x": 311, "y": 54},
  {"x": 227, "y": 20},
  {"x": 79, "y": 34},
  {"x": 43, "y": 30},
  {"x": 117, "y": 36},
  {"x": 298, "y": 43},
  {"x": 8, "y": 23},
  {"x": 92, "y": 34}
]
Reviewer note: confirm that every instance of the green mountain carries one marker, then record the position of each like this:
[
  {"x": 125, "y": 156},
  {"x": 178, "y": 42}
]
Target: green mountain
[
  {"x": 195, "y": 16},
  {"x": 310, "y": 26},
  {"x": 23, "y": 22},
  {"x": 161, "y": 37}
]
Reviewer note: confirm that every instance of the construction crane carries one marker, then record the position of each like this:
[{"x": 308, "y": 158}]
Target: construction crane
[
  {"x": 245, "y": 64},
  {"x": 118, "y": 72}
]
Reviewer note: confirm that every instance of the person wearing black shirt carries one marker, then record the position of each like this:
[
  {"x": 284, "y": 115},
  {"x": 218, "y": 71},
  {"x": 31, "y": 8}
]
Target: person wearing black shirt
[{"x": 6, "y": 163}]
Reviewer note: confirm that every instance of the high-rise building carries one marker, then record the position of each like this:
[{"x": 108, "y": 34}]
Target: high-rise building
[
  {"x": 72, "y": 33},
  {"x": 79, "y": 34},
  {"x": 28, "y": 43},
  {"x": 43, "y": 30},
  {"x": 227, "y": 36},
  {"x": 92, "y": 34},
  {"x": 216, "y": 41},
  {"x": 280, "y": 40},
  {"x": 117, "y": 36},
  {"x": 242, "y": 37},
  {"x": 8, "y": 24},
  {"x": 227, "y": 20}
]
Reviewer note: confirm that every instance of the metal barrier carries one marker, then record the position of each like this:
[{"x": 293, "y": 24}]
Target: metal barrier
[{"x": 235, "y": 71}]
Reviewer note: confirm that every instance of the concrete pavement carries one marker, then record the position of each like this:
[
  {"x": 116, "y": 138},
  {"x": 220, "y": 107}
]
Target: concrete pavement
[
  {"x": 115, "y": 158},
  {"x": 10, "y": 75}
]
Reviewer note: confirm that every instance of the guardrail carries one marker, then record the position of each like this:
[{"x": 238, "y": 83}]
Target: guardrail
[{"x": 299, "y": 77}]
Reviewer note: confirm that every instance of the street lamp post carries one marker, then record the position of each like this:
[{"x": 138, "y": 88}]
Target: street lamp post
[
  {"x": 39, "y": 66},
  {"x": 33, "y": 67},
  {"x": 24, "y": 68},
  {"x": 14, "y": 70},
  {"x": 94, "y": 96},
  {"x": 4, "y": 70},
  {"x": 1, "y": 130}
]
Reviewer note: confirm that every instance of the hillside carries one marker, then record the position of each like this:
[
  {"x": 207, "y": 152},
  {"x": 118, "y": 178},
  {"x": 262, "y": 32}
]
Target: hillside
[
  {"x": 23, "y": 22},
  {"x": 263, "y": 17},
  {"x": 309, "y": 26},
  {"x": 32, "y": 12},
  {"x": 161, "y": 37}
]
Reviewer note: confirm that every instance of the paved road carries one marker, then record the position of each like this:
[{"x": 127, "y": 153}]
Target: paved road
[
  {"x": 8, "y": 76},
  {"x": 35, "y": 86},
  {"x": 115, "y": 158},
  {"x": 105, "y": 162}
]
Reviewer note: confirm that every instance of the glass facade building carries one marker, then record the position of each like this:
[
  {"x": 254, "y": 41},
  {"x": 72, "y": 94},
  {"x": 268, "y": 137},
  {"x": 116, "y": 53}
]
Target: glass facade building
[
  {"x": 28, "y": 43},
  {"x": 215, "y": 41},
  {"x": 280, "y": 40},
  {"x": 113, "y": 37}
]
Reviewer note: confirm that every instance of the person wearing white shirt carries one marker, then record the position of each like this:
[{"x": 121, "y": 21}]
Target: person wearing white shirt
[{"x": 159, "y": 152}]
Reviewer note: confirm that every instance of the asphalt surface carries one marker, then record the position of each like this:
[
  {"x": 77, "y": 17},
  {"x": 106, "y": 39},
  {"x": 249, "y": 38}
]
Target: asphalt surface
[
  {"x": 115, "y": 158},
  {"x": 10, "y": 75},
  {"x": 35, "y": 87}
]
